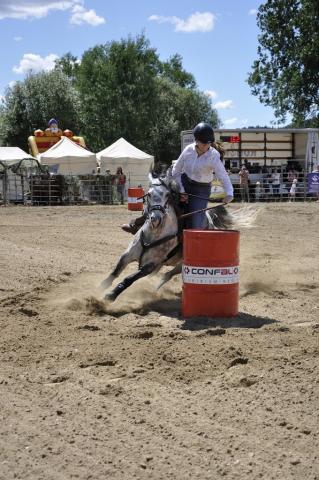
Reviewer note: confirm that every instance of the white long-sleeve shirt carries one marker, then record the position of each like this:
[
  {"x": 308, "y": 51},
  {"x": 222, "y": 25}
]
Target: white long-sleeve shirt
[{"x": 201, "y": 168}]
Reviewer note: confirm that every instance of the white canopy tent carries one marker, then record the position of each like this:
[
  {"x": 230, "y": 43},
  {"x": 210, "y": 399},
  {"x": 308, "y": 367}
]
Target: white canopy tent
[
  {"x": 135, "y": 163},
  {"x": 69, "y": 158},
  {"x": 13, "y": 162},
  {"x": 13, "y": 155}
]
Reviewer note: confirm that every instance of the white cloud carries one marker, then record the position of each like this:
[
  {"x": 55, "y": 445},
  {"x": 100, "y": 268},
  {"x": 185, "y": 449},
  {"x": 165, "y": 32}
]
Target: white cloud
[
  {"x": 80, "y": 16},
  {"x": 17, "y": 39},
  {"x": 231, "y": 121},
  {"x": 211, "y": 94},
  {"x": 197, "y": 22},
  {"x": 22, "y": 9},
  {"x": 224, "y": 105},
  {"x": 36, "y": 63},
  {"x": 252, "y": 11}
]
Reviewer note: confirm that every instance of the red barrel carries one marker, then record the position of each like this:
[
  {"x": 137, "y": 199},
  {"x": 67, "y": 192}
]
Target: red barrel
[
  {"x": 134, "y": 200},
  {"x": 210, "y": 273}
]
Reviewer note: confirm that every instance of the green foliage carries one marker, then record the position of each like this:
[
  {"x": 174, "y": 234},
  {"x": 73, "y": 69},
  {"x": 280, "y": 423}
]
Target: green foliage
[
  {"x": 173, "y": 69},
  {"x": 69, "y": 65},
  {"x": 286, "y": 74},
  {"x": 29, "y": 105},
  {"x": 120, "y": 89},
  {"x": 127, "y": 92}
]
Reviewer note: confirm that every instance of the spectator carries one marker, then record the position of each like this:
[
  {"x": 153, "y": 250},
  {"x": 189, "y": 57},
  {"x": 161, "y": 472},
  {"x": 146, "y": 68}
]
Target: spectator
[
  {"x": 292, "y": 192},
  {"x": 316, "y": 170},
  {"x": 258, "y": 192},
  {"x": 108, "y": 186},
  {"x": 275, "y": 183},
  {"x": 244, "y": 183},
  {"x": 120, "y": 184}
]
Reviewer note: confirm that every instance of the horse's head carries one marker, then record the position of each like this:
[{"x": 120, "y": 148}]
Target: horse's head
[{"x": 159, "y": 200}]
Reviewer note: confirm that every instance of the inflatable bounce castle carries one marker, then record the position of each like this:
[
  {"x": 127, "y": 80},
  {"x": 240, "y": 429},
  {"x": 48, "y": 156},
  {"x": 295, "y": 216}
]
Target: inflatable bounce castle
[{"x": 42, "y": 140}]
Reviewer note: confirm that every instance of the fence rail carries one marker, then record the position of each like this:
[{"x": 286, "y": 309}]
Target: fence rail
[{"x": 44, "y": 189}]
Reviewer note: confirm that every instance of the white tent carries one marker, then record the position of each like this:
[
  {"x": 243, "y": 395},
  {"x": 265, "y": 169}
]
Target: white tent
[
  {"x": 135, "y": 163},
  {"x": 69, "y": 158},
  {"x": 13, "y": 155}
]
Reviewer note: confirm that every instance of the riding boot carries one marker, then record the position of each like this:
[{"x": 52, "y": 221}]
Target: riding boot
[{"x": 134, "y": 225}]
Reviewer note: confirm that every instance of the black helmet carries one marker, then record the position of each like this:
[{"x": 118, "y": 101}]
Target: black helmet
[{"x": 204, "y": 133}]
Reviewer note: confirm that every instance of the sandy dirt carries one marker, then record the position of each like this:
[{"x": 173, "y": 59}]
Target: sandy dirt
[{"x": 133, "y": 390}]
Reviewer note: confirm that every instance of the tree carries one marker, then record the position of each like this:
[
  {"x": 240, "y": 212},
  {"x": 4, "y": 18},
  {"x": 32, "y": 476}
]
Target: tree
[
  {"x": 29, "y": 105},
  {"x": 286, "y": 74},
  {"x": 127, "y": 91},
  {"x": 69, "y": 65},
  {"x": 173, "y": 69}
]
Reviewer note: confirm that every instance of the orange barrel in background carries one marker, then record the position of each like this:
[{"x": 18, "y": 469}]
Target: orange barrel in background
[
  {"x": 210, "y": 273},
  {"x": 134, "y": 200}
]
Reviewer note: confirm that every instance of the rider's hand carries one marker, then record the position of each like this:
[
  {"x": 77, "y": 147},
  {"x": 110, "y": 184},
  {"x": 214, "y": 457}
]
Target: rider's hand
[
  {"x": 227, "y": 199},
  {"x": 183, "y": 197}
]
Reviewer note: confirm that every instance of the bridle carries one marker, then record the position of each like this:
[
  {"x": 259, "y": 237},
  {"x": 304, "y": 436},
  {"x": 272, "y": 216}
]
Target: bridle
[{"x": 163, "y": 210}]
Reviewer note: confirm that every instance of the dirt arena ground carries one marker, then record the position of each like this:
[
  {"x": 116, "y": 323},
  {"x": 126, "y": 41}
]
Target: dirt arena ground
[{"x": 134, "y": 391}]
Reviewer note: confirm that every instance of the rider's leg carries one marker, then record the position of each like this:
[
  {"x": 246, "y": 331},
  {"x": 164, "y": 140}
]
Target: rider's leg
[
  {"x": 197, "y": 220},
  {"x": 135, "y": 224}
]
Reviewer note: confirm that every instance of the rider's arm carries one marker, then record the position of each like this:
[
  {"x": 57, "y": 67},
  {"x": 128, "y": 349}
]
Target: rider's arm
[
  {"x": 178, "y": 170},
  {"x": 222, "y": 175}
]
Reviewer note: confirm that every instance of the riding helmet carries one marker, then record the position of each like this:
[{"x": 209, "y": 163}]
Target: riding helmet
[{"x": 204, "y": 133}]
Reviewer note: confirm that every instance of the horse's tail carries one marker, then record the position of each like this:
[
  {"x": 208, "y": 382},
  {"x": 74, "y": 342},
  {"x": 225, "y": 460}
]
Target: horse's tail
[
  {"x": 219, "y": 218},
  {"x": 245, "y": 217},
  {"x": 222, "y": 218}
]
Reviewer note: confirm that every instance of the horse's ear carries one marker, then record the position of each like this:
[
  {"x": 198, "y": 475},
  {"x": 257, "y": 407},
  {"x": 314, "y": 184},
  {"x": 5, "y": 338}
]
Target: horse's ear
[{"x": 151, "y": 177}]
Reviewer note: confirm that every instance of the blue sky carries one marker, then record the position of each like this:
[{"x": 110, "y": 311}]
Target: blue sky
[{"x": 217, "y": 40}]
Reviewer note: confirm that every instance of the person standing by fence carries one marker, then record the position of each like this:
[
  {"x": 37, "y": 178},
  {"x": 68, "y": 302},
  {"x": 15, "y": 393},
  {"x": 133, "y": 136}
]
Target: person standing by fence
[
  {"x": 244, "y": 184},
  {"x": 120, "y": 184},
  {"x": 293, "y": 189},
  {"x": 316, "y": 170}
]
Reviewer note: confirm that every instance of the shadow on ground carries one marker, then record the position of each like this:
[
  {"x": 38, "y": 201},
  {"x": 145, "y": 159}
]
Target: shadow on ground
[{"x": 242, "y": 320}]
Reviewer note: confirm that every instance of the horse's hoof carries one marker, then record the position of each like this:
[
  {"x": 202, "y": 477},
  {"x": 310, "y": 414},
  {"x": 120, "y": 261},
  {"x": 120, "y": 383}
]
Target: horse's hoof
[
  {"x": 110, "y": 297},
  {"x": 106, "y": 283}
]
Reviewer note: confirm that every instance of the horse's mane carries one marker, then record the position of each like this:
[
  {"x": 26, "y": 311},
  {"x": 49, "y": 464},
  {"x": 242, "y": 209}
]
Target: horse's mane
[{"x": 166, "y": 179}]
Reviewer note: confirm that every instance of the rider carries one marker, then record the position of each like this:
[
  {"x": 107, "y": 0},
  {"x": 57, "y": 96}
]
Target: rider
[{"x": 193, "y": 171}]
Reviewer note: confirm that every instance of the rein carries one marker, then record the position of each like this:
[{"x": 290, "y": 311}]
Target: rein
[
  {"x": 201, "y": 210},
  {"x": 146, "y": 246}
]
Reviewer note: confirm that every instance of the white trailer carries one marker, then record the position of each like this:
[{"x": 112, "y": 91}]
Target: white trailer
[{"x": 266, "y": 147}]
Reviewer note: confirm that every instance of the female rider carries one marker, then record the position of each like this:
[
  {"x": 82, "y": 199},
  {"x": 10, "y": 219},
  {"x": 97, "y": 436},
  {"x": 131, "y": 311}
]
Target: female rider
[{"x": 193, "y": 171}]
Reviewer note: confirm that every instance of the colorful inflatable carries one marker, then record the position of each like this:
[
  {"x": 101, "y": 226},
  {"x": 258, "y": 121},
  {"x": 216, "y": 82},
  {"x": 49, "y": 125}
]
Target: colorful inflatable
[{"x": 42, "y": 140}]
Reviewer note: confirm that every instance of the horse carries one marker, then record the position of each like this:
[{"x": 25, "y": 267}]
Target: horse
[{"x": 159, "y": 240}]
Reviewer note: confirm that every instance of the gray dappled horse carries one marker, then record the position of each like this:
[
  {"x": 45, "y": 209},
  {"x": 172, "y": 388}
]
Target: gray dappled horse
[{"x": 158, "y": 242}]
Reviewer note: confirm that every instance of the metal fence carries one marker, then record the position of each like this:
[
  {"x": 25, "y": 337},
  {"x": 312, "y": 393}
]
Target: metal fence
[{"x": 48, "y": 189}]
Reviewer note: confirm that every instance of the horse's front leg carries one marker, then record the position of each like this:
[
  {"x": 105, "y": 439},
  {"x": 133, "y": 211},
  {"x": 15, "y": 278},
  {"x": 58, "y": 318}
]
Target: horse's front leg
[
  {"x": 130, "y": 255},
  {"x": 168, "y": 275},
  {"x": 142, "y": 272}
]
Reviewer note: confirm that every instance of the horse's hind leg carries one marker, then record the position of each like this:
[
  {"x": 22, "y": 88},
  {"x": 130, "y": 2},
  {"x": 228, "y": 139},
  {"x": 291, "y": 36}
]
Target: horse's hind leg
[
  {"x": 145, "y": 270},
  {"x": 168, "y": 275}
]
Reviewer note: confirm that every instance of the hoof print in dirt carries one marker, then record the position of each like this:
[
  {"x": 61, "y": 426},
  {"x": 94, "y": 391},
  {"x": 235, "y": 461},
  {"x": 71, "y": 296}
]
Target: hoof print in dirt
[
  {"x": 238, "y": 361},
  {"x": 214, "y": 332},
  {"x": 91, "y": 328},
  {"x": 112, "y": 390},
  {"x": 144, "y": 335},
  {"x": 28, "y": 312},
  {"x": 59, "y": 379}
]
